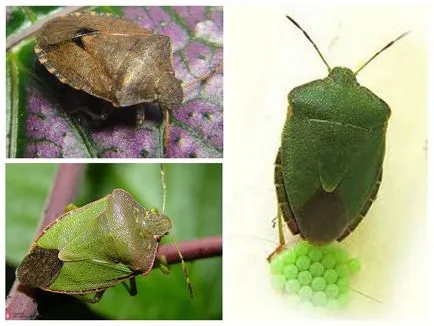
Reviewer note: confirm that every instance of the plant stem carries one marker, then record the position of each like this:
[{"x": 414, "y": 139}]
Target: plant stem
[{"x": 192, "y": 250}]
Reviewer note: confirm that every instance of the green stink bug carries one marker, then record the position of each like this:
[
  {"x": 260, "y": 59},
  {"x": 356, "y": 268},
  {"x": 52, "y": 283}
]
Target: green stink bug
[
  {"x": 88, "y": 249},
  {"x": 329, "y": 166}
]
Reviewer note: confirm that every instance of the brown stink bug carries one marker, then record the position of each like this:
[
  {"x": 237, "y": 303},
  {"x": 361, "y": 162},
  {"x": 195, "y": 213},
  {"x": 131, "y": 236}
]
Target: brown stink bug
[{"x": 113, "y": 59}]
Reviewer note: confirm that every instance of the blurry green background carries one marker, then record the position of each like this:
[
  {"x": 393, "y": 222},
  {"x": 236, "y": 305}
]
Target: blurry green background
[{"x": 194, "y": 203}]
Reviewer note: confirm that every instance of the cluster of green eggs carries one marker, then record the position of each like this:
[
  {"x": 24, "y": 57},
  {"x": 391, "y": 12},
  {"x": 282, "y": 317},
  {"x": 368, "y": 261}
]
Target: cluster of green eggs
[{"x": 320, "y": 275}]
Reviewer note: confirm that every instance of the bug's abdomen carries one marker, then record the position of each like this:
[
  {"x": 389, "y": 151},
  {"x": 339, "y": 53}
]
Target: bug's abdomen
[
  {"x": 365, "y": 209},
  {"x": 282, "y": 198}
]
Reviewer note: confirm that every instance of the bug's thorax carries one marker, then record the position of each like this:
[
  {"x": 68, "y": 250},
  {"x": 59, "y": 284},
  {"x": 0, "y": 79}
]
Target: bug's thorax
[{"x": 338, "y": 99}]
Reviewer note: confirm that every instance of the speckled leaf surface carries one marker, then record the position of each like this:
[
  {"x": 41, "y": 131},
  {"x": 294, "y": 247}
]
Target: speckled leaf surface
[{"x": 45, "y": 117}]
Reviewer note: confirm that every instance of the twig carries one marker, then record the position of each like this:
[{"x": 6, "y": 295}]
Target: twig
[
  {"x": 193, "y": 249},
  {"x": 64, "y": 191}
]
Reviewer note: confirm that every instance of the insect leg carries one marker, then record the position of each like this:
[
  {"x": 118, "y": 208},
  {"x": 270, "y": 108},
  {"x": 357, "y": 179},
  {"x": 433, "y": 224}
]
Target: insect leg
[
  {"x": 69, "y": 208},
  {"x": 166, "y": 128},
  {"x": 133, "y": 286},
  {"x": 140, "y": 115},
  {"x": 162, "y": 264},
  {"x": 97, "y": 297},
  {"x": 282, "y": 207},
  {"x": 101, "y": 116},
  {"x": 132, "y": 289},
  {"x": 280, "y": 226},
  {"x": 204, "y": 77},
  {"x": 281, "y": 245}
]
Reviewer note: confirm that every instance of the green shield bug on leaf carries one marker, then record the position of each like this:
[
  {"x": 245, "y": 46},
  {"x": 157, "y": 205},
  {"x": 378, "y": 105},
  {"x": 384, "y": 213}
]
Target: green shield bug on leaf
[
  {"x": 328, "y": 168},
  {"x": 94, "y": 247}
]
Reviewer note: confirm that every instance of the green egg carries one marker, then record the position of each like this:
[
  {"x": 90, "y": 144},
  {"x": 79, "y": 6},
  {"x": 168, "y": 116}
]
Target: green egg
[
  {"x": 305, "y": 277},
  {"x": 317, "y": 269},
  {"x": 303, "y": 263},
  {"x": 290, "y": 271},
  {"x": 292, "y": 286}
]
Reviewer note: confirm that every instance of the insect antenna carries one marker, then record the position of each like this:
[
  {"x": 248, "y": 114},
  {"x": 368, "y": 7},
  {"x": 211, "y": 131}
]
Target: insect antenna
[
  {"x": 184, "y": 266},
  {"x": 384, "y": 48},
  {"x": 310, "y": 40},
  {"x": 166, "y": 128},
  {"x": 215, "y": 70},
  {"x": 185, "y": 86},
  {"x": 184, "y": 269},
  {"x": 163, "y": 185},
  {"x": 367, "y": 296}
]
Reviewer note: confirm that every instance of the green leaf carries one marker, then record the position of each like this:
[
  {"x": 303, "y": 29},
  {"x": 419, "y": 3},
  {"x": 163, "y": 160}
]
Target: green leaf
[
  {"x": 18, "y": 18},
  {"x": 27, "y": 187}
]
